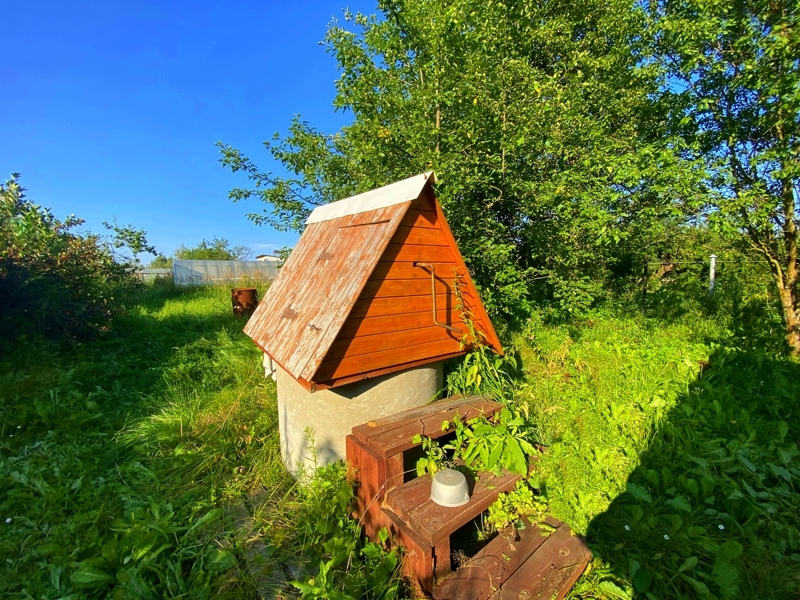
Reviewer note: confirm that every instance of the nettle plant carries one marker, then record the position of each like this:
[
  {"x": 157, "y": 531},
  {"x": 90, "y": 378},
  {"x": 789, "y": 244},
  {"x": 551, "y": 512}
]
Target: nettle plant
[
  {"x": 502, "y": 442},
  {"x": 481, "y": 372}
]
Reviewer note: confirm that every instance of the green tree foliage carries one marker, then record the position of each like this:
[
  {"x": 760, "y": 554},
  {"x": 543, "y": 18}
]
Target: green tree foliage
[
  {"x": 733, "y": 88},
  {"x": 216, "y": 249},
  {"x": 535, "y": 116},
  {"x": 52, "y": 279}
]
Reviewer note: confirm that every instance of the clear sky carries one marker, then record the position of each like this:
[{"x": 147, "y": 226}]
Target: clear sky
[{"x": 112, "y": 109}]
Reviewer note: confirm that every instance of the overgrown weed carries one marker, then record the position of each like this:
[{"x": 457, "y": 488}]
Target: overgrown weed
[{"x": 661, "y": 430}]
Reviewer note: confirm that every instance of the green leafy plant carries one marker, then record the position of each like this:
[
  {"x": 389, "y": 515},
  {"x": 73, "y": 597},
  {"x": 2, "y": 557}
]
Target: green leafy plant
[
  {"x": 493, "y": 443},
  {"x": 481, "y": 372},
  {"x": 348, "y": 567},
  {"x": 520, "y": 502},
  {"x": 435, "y": 457},
  {"x": 56, "y": 281}
]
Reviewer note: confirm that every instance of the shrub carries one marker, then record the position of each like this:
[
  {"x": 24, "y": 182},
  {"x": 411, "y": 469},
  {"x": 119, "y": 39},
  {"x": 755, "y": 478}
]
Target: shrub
[{"x": 54, "y": 280}]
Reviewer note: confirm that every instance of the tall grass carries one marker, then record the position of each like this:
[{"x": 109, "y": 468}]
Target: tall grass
[
  {"x": 119, "y": 455},
  {"x": 121, "y": 459},
  {"x": 673, "y": 446}
]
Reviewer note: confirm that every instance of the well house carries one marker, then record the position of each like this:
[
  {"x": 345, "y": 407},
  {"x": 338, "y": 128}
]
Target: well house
[{"x": 370, "y": 301}]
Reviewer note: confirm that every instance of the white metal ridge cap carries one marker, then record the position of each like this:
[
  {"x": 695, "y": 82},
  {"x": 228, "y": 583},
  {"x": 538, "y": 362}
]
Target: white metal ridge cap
[{"x": 388, "y": 195}]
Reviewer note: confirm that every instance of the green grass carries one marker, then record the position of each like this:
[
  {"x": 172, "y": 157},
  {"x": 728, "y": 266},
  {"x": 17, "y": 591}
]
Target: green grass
[
  {"x": 121, "y": 457},
  {"x": 672, "y": 446},
  {"x": 118, "y": 455}
]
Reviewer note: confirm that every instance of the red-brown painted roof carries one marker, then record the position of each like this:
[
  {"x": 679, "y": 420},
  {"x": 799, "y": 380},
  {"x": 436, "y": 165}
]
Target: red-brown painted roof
[{"x": 318, "y": 287}]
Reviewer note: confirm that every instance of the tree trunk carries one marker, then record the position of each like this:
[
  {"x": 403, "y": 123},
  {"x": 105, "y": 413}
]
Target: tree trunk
[{"x": 791, "y": 318}]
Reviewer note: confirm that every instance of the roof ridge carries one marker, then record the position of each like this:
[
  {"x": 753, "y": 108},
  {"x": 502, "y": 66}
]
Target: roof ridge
[{"x": 388, "y": 195}]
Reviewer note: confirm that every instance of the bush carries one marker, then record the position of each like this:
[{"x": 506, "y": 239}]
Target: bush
[{"x": 52, "y": 279}]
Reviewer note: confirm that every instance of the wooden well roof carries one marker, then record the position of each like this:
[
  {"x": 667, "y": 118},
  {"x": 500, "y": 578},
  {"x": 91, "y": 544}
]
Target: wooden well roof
[{"x": 334, "y": 266}]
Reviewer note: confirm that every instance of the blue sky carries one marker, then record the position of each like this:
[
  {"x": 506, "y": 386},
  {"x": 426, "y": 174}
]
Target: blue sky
[{"x": 112, "y": 109}]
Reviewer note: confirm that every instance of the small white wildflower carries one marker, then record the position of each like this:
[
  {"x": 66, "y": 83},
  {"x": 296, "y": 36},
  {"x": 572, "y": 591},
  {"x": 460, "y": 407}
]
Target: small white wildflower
[
  {"x": 721, "y": 526},
  {"x": 19, "y": 426},
  {"x": 666, "y": 537},
  {"x": 627, "y": 527},
  {"x": 11, "y": 435},
  {"x": 8, "y": 520}
]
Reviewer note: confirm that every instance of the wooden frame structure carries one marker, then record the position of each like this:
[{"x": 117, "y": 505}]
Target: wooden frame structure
[
  {"x": 369, "y": 290},
  {"x": 530, "y": 563}
]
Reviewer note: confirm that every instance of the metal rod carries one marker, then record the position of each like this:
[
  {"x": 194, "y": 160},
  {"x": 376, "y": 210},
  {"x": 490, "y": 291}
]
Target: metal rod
[
  {"x": 433, "y": 295},
  {"x": 712, "y": 273}
]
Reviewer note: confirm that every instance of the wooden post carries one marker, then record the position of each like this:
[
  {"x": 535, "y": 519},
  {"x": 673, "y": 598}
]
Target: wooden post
[{"x": 644, "y": 284}]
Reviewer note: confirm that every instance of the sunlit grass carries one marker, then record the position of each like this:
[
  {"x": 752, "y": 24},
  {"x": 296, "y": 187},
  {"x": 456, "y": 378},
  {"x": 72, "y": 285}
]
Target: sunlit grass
[{"x": 122, "y": 457}]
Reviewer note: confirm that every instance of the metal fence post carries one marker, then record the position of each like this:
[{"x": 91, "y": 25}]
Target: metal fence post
[{"x": 712, "y": 273}]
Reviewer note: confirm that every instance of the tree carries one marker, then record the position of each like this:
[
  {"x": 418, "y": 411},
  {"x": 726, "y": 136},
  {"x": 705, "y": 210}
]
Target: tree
[
  {"x": 53, "y": 279},
  {"x": 733, "y": 84},
  {"x": 532, "y": 115},
  {"x": 128, "y": 242},
  {"x": 216, "y": 249}
]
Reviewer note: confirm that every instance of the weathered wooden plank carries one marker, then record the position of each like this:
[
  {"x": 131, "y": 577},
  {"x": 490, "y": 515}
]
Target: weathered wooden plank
[
  {"x": 433, "y": 522},
  {"x": 395, "y": 340},
  {"x": 424, "y": 202},
  {"x": 398, "y": 439},
  {"x": 485, "y": 572},
  {"x": 365, "y": 326},
  {"x": 299, "y": 317},
  {"x": 410, "y": 252},
  {"x": 324, "y": 385},
  {"x": 551, "y": 571},
  {"x": 408, "y": 496},
  {"x": 367, "y": 430},
  {"x": 381, "y": 307},
  {"x": 407, "y": 270},
  {"x": 441, "y": 559},
  {"x": 334, "y": 369},
  {"x": 367, "y": 472},
  {"x": 419, "y": 236},
  {"x": 432, "y": 425},
  {"x": 418, "y": 565},
  {"x": 421, "y": 219},
  {"x": 391, "y": 288}
]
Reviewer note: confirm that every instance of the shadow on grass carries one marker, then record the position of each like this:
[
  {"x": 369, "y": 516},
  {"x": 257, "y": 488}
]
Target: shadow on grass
[{"x": 711, "y": 511}]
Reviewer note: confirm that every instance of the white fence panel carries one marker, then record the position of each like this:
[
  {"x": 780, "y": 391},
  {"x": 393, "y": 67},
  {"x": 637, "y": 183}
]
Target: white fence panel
[{"x": 198, "y": 272}]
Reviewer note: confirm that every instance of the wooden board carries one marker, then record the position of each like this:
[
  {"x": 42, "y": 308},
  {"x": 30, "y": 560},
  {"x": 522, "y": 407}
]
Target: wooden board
[
  {"x": 352, "y": 347},
  {"x": 381, "y": 307},
  {"x": 366, "y": 431},
  {"x": 551, "y": 571},
  {"x": 422, "y": 236},
  {"x": 392, "y": 288},
  {"x": 336, "y": 368},
  {"x": 382, "y": 371},
  {"x": 484, "y": 573},
  {"x": 410, "y": 252},
  {"x": 371, "y": 476},
  {"x": 305, "y": 307},
  {"x": 398, "y": 439},
  {"x": 417, "y": 555},
  {"x": 366, "y": 326},
  {"x": 421, "y": 219},
  {"x": 411, "y": 502},
  {"x": 407, "y": 270}
]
